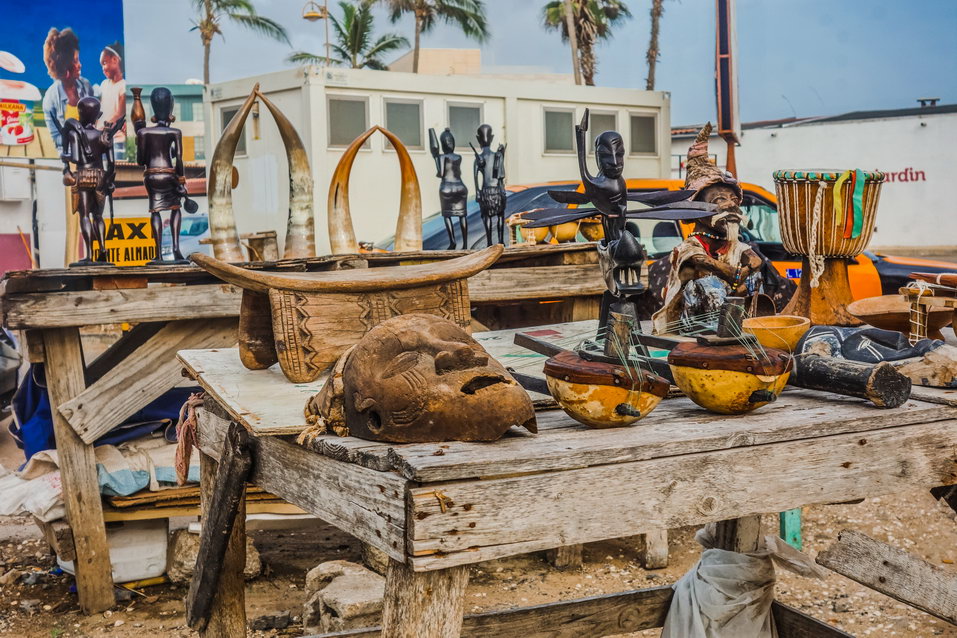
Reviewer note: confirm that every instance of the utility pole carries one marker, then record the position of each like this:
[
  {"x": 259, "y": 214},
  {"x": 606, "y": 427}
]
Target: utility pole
[{"x": 573, "y": 40}]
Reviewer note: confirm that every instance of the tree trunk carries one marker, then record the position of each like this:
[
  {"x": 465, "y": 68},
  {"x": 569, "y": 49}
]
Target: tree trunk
[
  {"x": 206, "y": 63},
  {"x": 587, "y": 52},
  {"x": 207, "y": 38},
  {"x": 657, "y": 8},
  {"x": 418, "y": 37},
  {"x": 572, "y": 40}
]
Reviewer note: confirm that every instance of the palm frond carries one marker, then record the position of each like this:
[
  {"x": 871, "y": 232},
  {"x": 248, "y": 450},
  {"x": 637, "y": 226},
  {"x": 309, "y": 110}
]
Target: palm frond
[
  {"x": 261, "y": 25},
  {"x": 305, "y": 58}
]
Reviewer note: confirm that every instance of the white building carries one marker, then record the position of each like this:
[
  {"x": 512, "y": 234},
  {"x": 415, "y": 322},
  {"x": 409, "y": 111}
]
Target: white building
[
  {"x": 331, "y": 107},
  {"x": 914, "y": 146}
]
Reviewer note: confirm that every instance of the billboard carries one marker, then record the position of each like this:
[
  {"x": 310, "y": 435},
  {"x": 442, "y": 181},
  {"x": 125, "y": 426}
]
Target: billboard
[{"x": 53, "y": 53}]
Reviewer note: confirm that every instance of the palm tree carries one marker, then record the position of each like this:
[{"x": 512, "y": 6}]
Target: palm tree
[
  {"x": 657, "y": 9},
  {"x": 593, "y": 21},
  {"x": 211, "y": 14},
  {"x": 354, "y": 40},
  {"x": 468, "y": 15}
]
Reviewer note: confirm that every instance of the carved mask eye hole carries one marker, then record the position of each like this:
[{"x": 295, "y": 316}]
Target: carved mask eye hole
[{"x": 374, "y": 422}]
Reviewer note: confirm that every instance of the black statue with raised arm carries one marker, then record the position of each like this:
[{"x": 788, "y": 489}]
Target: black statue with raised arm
[
  {"x": 92, "y": 183},
  {"x": 159, "y": 149},
  {"x": 490, "y": 192},
  {"x": 453, "y": 193}
]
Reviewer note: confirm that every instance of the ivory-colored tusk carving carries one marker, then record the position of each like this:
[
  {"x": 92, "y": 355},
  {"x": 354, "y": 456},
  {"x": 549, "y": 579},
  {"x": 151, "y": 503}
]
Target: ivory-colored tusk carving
[
  {"x": 301, "y": 226},
  {"x": 219, "y": 189},
  {"x": 342, "y": 236}
]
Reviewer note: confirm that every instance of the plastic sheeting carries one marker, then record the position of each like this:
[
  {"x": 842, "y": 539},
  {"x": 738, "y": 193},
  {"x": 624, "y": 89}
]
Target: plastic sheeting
[{"x": 729, "y": 594}]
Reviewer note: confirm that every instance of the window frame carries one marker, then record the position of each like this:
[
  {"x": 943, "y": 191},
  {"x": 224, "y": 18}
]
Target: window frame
[
  {"x": 463, "y": 104},
  {"x": 223, "y": 124},
  {"x": 557, "y": 109},
  {"x": 654, "y": 118},
  {"x": 422, "y": 132},
  {"x": 345, "y": 97},
  {"x": 591, "y": 145}
]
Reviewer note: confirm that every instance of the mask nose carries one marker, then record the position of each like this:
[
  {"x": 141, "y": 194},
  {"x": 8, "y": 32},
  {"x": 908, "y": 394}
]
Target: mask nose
[{"x": 458, "y": 357}]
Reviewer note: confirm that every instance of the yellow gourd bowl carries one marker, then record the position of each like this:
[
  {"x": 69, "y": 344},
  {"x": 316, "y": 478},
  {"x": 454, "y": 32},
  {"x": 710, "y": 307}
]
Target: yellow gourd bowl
[
  {"x": 594, "y": 405},
  {"x": 777, "y": 331},
  {"x": 591, "y": 229},
  {"x": 564, "y": 233},
  {"x": 726, "y": 391}
]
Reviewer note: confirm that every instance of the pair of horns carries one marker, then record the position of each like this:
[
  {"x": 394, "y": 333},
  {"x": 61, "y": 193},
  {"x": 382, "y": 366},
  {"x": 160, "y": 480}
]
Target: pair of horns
[
  {"x": 300, "y": 227},
  {"x": 408, "y": 229}
]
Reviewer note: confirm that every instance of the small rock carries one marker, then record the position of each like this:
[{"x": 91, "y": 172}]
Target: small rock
[
  {"x": 29, "y": 606},
  {"x": 119, "y": 623},
  {"x": 342, "y": 595},
  {"x": 840, "y": 607},
  {"x": 10, "y": 577},
  {"x": 271, "y": 621},
  {"x": 183, "y": 549}
]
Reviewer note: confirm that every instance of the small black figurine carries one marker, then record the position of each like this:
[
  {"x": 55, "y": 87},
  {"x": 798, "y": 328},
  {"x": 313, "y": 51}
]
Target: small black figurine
[
  {"x": 490, "y": 195},
  {"x": 453, "y": 194},
  {"x": 159, "y": 149},
  {"x": 91, "y": 184}
]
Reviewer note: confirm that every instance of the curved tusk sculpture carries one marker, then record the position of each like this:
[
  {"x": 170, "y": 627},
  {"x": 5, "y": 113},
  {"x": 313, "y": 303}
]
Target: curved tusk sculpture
[
  {"x": 342, "y": 236},
  {"x": 219, "y": 189},
  {"x": 301, "y": 226}
]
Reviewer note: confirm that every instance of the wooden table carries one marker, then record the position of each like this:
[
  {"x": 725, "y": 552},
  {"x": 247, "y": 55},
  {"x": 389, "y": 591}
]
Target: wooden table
[
  {"x": 181, "y": 307},
  {"x": 435, "y": 509}
]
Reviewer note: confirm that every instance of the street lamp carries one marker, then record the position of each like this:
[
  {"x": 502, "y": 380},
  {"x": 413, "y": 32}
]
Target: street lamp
[{"x": 313, "y": 11}]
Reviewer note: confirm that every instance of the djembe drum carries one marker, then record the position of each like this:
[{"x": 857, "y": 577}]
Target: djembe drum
[{"x": 827, "y": 217}]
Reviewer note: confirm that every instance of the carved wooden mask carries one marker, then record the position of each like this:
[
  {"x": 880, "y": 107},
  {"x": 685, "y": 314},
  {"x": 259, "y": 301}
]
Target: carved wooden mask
[{"x": 420, "y": 378}]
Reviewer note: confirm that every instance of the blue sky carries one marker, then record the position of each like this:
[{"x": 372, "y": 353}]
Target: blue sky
[{"x": 816, "y": 57}]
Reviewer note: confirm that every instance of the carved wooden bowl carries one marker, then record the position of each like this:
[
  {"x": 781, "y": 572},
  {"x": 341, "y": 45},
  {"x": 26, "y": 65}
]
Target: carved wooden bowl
[
  {"x": 892, "y": 312},
  {"x": 777, "y": 331}
]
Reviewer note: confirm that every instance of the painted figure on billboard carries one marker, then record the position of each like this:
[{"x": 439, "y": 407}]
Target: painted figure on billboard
[
  {"x": 113, "y": 93},
  {"x": 61, "y": 52}
]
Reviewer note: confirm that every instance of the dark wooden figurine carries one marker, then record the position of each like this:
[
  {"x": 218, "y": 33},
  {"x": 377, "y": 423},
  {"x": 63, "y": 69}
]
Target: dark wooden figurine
[
  {"x": 453, "y": 194},
  {"x": 89, "y": 148},
  {"x": 490, "y": 192},
  {"x": 159, "y": 149}
]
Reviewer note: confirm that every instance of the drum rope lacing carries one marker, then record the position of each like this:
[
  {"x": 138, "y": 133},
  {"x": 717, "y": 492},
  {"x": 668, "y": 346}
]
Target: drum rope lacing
[
  {"x": 918, "y": 314},
  {"x": 815, "y": 260}
]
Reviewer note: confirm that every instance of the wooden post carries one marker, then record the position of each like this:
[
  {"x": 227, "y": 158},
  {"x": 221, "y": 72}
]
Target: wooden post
[
  {"x": 567, "y": 557},
  {"x": 655, "y": 552},
  {"x": 423, "y": 604},
  {"x": 789, "y": 524},
  {"x": 81, "y": 489},
  {"x": 227, "y": 617},
  {"x": 220, "y": 513},
  {"x": 739, "y": 534}
]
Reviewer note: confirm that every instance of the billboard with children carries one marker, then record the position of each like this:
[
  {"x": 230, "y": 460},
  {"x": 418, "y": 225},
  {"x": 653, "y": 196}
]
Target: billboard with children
[{"x": 51, "y": 55}]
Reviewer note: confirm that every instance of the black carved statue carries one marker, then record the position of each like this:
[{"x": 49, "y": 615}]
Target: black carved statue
[
  {"x": 159, "y": 149},
  {"x": 490, "y": 193},
  {"x": 91, "y": 183},
  {"x": 453, "y": 194}
]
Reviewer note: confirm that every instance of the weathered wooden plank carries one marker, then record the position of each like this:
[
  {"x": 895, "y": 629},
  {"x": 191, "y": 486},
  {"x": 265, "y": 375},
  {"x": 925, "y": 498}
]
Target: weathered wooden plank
[
  {"x": 592, "y": 617},
  {"x": 742, "y": 535},
  {"x": 81, "y": 489},
  {"x": 944, "y": 396},
  {"x": 472, "y": 521},
  {"x": 263, "y": 401},
  {"x": 366, "y": 503},
  {"x": 677, "y": 426},
  {"x": 85, "y": 308},
  {"x": 60, "y": 537},
  {"x": 124, "y": 346},
  {"x": 893, "y": 572},
  {"x": 228, "y": 613},
  {"x": 423, "y": 605},
  {"x": 142, "y": 377},
  {"x": 792, "y": 623},
  {"x": 222, "y": 500},
  {"x": 536, "y": 282}
]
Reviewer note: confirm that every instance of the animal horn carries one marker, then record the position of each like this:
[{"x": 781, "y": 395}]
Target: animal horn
[
  {"x": 219, "y": 189},
  {"x": 301, "y": 227},
  {"x": 408, "y": 231},
  {"x": 408, "y": 228},
  {"x": 342, "y": 234}
]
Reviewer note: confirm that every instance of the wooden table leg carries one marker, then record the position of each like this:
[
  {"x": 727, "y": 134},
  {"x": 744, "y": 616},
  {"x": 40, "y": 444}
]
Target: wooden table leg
[
  {"x": 654, "y": 554},
  {"x": 567, "y": 557},
  {"x": 739, "y": 534},
  {"x": 227, "y": 617},
  {"x": 81, "y": 488},
  {"x": 423, "y": 604}
]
